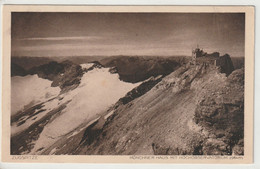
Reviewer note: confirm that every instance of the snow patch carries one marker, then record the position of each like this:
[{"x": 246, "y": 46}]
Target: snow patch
[
  {"x": 28, "y": 121},
  {"x": 86, "y": 65},
  {"x": 109, "y": 114},
  {"x": 30, "y": 90}
]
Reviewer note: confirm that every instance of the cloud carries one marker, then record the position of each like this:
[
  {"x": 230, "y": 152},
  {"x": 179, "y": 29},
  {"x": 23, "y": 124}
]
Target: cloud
[
  {"x": 61, "y": 38},
  {"x": 94, "y": 49}
]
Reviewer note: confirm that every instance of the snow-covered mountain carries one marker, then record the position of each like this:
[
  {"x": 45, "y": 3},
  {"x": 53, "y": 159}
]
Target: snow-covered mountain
[{"x": 87, "y": 109}]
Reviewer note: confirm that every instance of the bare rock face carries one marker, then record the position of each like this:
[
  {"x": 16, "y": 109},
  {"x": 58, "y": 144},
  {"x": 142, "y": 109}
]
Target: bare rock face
[
  {"x": 214, "y": 54},
  {"x": 141, "y": 89},
  {"x": 70, "y": 76},
  {"x": 65, "y": 74},
  {"x": 221, "y": 115},
  {"x": 238, "y": 149},
  {"x": 225, "y": 64},
  {"x": 113, "y": 70},
  {"x": 48, "y": 71},
  {"x": 96, "y": 64}
]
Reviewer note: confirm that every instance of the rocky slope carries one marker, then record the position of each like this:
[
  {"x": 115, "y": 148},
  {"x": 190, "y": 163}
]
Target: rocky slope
[
  {"x": 158, "y": 122},
  {"x": 220, "y": 112},
  {"x": 173, "y": 119}
]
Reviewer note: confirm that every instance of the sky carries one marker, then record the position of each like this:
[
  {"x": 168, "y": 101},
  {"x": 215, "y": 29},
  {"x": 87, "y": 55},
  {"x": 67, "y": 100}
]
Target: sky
[{"x": 107, "y": 34}]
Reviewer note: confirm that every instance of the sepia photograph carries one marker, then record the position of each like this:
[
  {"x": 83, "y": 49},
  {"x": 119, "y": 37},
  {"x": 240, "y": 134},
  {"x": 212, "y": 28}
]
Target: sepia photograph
[{"x": 133, "y": 84}]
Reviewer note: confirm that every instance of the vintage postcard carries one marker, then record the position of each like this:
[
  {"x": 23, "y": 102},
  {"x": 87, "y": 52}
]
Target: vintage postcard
[{"x": 128, "y": 84}]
